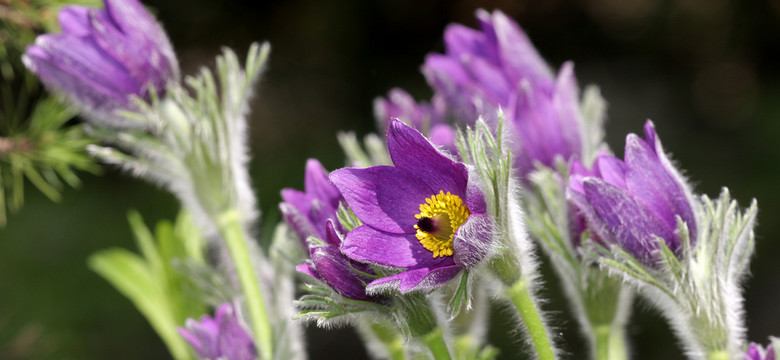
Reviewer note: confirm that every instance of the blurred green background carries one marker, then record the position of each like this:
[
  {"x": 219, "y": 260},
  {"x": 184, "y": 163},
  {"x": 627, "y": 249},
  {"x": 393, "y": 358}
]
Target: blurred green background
[{"x": 704, "y": 70}]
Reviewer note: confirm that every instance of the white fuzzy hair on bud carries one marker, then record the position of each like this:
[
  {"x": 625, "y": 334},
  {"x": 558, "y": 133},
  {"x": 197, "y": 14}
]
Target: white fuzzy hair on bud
[{"x": 194, "y": 142}]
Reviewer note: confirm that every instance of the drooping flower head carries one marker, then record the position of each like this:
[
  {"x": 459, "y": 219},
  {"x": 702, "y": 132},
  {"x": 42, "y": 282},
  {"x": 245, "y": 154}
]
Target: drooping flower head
[
  {"x": 757, "y": 352},
  {"x": 424, "y": 214},
  {"x": 498, "y": 67},
  {"x": 221, "y": 337},
  {"x": 103, "y": 57},
  {"x": 631, "y": 202},
  {"x": 329, "y": 265},
  {"x": 308, "y": 211}
]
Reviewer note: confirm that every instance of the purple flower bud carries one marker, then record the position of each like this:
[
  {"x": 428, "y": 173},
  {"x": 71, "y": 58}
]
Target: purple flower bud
[
  {"x": 631, "y": 202},
  {"x": 307, "y": 212},
  {"x": 498, "y": 67},
  {"x": 757, "y": 352},
  {"x": 343, "y": 275},
  {"x": 400, "y": 105},
  {"x": 222, "y": 337},
  {"x": 418, "y": 215},
  {"x": 103, "y": 57}
]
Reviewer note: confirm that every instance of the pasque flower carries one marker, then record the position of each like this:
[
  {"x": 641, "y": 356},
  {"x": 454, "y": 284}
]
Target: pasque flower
[
  {"x": 630, "y": 203},
  {"x": 221, "y": 337},
  {"x": 424, "y": 214},
  {"x": 104, "y": 56},
  {"x": 307, "y": 211},
  {"x": 498, "y": 67},
  {"x": 329, "y": 265}
]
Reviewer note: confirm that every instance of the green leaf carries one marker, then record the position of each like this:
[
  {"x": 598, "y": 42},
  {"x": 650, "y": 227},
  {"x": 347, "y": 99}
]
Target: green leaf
[{"x": 129, "y": 274}]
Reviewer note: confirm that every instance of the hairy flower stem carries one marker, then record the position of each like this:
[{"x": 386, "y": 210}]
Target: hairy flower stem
[
  {"x": 230, "y": 227},
  {"x": 521, "y": 297},
  {"x": 393, "y": 343},
  {"x": 609, "y": 342},
  {"x": 435, "y": 342},
  {"x": 606, "y": 306}
]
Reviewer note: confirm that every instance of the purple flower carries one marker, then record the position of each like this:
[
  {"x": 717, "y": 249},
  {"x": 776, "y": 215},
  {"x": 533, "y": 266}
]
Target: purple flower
[
  {"x": 423, "y": 215},
  {"x": 222, "y": 337},
  {"x": 631, "y": 202},
  {"x": 308, "y": 211},
  {"x": 757, "y": 352},
  {"x": 498, "y": 67},
  {"x": 343, "y": 275},
  {"x": 103, "y": 56}
]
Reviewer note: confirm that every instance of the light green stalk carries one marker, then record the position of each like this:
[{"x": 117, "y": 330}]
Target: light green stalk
[{"x": 229, "y": 224}]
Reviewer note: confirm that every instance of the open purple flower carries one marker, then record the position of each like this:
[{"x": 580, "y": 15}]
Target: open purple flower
[
  {"x": 498, "y": 67},
  {"x": 757, "y": 352},
  {"x": 221, "y": 337},
  {"x": 631, "y": 202},
  {"x": 423, "y": 214},
  {"x": 308, "y": 211},
  {"x": 329, "y": 265},
  {"x": 104, "y": 56}
]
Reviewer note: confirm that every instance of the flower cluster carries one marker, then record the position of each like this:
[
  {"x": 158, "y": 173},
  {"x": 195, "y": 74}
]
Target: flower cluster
[
  {"x": 498, "y": 67},
  {"x": 391, "y": 248}
]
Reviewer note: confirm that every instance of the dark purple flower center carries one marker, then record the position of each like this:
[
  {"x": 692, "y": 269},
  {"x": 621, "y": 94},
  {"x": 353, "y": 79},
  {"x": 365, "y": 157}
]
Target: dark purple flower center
[{"x": 426, "y": 224}]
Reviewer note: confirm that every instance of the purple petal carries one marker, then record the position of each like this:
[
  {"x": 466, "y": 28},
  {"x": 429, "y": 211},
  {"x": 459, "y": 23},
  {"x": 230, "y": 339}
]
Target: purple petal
[
  {"x": 492, "y": 81},
  {"x": 318, "y": 185},
  {"x": 202, "y": 336},
  {"x": 625, "y": 220},
  {"x": 520, "y": 58},
  {"x": 612, "y": 170},
  {"x": 460, "y": 40},
  {"x": 567, "y": 104},
  {"x": 308, "y": 269},
  {"x": 292, "y": 209},
  {"x": 89, "y": 92},
  {"x": 366, "y": 244},
  {"x": 233, "y": 343},
  {"x": 416, "y": 279},
  {"x": 383, "y": 197},
  {"x": 336, "y": 271},
  {"x": 648, "y": 180},
  {"x": 332, "y": 237},
  {"x": 74, "y": 20},
  {"x": 443, "y": 136},
  {"x": 412, "y": 152},
  {"x": 80, "y": 58}
]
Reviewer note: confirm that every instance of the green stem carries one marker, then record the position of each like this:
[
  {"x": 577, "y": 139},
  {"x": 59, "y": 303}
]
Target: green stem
[
  {"x": 230, "y": 227},
  {"x": 609, "y": 342},
  {"x": 520, "y": 295},
  {"x": 435, "y": 342},
  {"x": 393, "y": 343}
]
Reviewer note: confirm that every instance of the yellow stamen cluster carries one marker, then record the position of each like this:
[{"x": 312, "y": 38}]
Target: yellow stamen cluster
[{"x": 448, "y": 213}]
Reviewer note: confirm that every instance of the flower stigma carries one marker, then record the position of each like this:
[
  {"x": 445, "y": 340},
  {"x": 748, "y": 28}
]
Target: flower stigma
[{"x": 440, "y": 217}]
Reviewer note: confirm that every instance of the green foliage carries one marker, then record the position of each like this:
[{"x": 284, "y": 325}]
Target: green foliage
[{"x": 164, "y": 295}]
